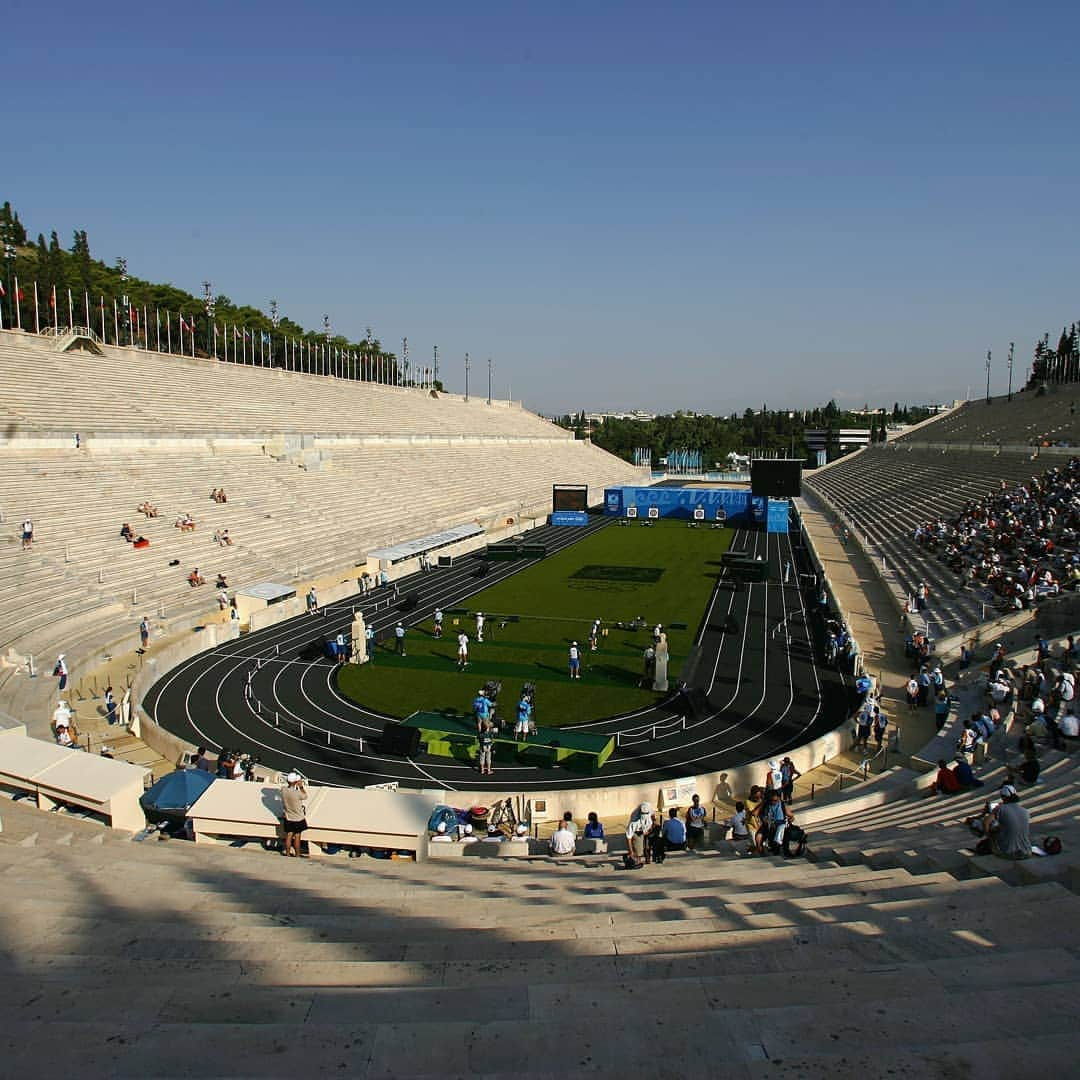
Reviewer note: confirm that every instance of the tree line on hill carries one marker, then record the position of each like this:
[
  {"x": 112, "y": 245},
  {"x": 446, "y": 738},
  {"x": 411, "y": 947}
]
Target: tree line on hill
[
  {"x": 44, "y": 284},
  {"x": 776, "y": 432}
]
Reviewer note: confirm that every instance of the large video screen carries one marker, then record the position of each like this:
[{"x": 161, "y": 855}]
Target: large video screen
[
  {"x": 778, "y": 479},
  {"x": 569, "y": 497}
]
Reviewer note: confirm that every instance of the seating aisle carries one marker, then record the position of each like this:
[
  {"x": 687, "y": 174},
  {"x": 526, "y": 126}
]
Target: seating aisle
[{"x": 166, "y": 959}]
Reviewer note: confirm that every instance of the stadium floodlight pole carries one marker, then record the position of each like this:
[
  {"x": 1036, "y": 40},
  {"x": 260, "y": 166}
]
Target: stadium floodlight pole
[
  {"x": 466, "y": 376},
  {"x": 274, "y": 325},
  {"x": 1012, "y": 345},
  {"x": 9, "y": 260},
  {"x": 405, "y": 361},
  {"x": 435, "y": 373},
  {"x": 987, "y": 376},
  {"x": 209, "y": 304},
  {"x": 121, "y": 265},
  {"x": 489, "y": 381}
]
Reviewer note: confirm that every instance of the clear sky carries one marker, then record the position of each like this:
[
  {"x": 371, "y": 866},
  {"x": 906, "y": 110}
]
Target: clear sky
[{"x": 629, "y": 205}]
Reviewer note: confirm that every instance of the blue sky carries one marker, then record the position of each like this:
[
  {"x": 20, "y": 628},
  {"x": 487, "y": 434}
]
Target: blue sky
[{"x": 695, "y": 206}]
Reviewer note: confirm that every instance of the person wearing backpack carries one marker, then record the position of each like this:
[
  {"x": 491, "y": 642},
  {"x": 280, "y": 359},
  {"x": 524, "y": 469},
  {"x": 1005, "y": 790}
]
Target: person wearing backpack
[{"x": 774, "y": 815}]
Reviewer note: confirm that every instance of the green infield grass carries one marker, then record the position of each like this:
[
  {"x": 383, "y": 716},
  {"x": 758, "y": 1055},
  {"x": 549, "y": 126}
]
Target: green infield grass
[{"x": 665, "y": 573}]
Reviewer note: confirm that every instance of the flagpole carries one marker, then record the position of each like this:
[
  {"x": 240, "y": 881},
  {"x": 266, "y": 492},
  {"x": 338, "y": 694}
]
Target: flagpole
[
  {"x": 116, "y": 323},
  {"x": 104, "y": 337},
  {"x": 37, "y": 317},
  {"x": 86, "y": 303},
  {"x": 168, "y": 330},
  {"x": 18, "y": 306},
  {"x": 157, "y": 321}
]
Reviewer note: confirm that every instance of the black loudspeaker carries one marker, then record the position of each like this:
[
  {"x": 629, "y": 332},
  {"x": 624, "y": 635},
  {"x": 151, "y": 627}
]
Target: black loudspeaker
[
  {"x": 409, "y": 601},
  {"x": 777, "y": 479},
  {"x": 695, "y": 703},
  {"x": 399, "y": 740},
  {"x": 313, "y": 650},
  {"x": 481, "y": 570}
]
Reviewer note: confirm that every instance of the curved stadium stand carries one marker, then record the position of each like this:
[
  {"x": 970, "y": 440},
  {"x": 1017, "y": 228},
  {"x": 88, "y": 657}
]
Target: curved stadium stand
[
  {"x": 887, "y": 491},
  {"x": 317, "y": 473},
  {"x": 167, "y": 959}
]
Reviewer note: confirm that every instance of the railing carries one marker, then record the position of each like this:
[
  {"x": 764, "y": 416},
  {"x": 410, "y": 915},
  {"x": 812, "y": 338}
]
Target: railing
[
  {"x": 63, "y": 331},
  {"x": 302, "y": 729},
  {"x": 862, "y": 771},
  {"x": 649, "y": 732}
]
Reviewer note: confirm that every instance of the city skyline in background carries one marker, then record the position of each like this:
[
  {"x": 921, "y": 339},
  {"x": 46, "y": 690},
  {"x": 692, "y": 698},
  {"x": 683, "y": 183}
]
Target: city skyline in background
[{"x": 705, "y": 209}]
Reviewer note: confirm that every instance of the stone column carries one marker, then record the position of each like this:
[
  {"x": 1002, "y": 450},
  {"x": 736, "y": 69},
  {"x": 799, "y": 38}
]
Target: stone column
[
  {"x": 359, "y": 640},
  {"x": 660, "y": 681}
]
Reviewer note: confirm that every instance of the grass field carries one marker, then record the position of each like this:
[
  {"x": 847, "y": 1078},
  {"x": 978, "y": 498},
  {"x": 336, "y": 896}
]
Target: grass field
[{"x": 665, "y": 573}]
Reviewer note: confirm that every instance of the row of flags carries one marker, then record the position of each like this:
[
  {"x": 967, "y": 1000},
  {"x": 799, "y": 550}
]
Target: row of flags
[{"x": 132, "y": 326}]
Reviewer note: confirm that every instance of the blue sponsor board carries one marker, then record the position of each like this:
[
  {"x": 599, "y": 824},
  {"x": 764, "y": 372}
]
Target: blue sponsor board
[
  {"x": 738, "y": 505},
  {"x": 568, "y": 517}
]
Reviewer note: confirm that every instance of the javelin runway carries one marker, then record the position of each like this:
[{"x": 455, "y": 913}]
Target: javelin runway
[{"x": 758, "y": 689}]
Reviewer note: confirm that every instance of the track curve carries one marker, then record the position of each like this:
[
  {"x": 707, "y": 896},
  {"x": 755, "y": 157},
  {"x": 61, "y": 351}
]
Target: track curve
[{"x": 764, "y": 689}]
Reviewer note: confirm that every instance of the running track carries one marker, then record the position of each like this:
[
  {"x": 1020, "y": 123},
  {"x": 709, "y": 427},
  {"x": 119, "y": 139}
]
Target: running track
[{"x": 765, "y": 691}]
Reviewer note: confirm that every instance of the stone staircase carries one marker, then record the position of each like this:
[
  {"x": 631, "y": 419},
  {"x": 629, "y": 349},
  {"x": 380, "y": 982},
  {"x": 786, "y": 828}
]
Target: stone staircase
[{"x": 161, "y": 958}]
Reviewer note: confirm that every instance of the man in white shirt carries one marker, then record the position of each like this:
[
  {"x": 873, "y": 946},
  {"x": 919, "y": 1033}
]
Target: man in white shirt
[
  {"x": 480, "y": 626},
  {"x": 562, "y": 842},
  {"x": 462, "y": 650}
]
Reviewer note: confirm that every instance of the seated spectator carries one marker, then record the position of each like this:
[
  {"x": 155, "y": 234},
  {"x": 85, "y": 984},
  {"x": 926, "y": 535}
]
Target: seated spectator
[
  {"x": 964, "y": 775},
  {"x": 218, "y": 495},
  {"x": 202, "y": 761},
  {"x": 127, "y": 533},
  {"x": 562, "y": 842},
  {"x": 185, "y": 523},
  {"x": 222, "y": 599},
  {"x": 221, "y": 583},
  {"x": 1009, "y": 827},
  {"x": 1028, "y": 770},
  {"x": 568, "y": 821},
  {"x": 195, "y": 578},
  {"x": 946, "y": 782},
  {"x": 594, "y": 830},
  {"x": 674, "y": 832},
  {"x": 147, "y": 509},
  {"x": 1069, "y": 726},
  {"x": 740, "y": 830}
]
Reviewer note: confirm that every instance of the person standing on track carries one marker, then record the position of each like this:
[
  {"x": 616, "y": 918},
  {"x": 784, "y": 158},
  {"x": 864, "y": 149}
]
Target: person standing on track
[
  {"x": 575, "y": 661},
  {"x": 487, "y": 743},
  {"x": 480, "y": 626},
  {"x": 437, "y": 632},
  {"x": 399, "y": 636},
  {"x": 462, "y": 651}
]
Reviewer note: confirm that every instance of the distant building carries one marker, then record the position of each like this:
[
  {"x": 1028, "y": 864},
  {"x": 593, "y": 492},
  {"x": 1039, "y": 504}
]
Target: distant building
[
  {"x": 843, "y": 439},
  {"x": 634, "y": 414}
]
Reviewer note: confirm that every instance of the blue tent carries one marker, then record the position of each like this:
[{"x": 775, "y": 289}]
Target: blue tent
[{"x": 172, "y": 796}]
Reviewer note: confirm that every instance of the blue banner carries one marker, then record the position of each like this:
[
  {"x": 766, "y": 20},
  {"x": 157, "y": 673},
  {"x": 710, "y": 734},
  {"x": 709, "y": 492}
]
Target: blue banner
[
  {"x": 738, "y": 505},
  {"x": 568, "y": 517}
]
